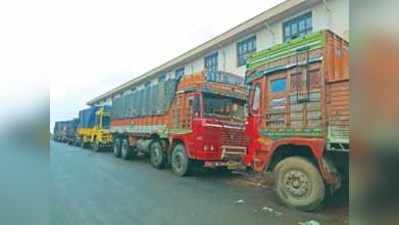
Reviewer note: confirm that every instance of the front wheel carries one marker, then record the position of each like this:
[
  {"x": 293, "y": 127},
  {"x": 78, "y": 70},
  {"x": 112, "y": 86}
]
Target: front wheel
[
  {"x": 299, "y": 183},
  {"x": 117, "y": 148},
  {"x": 157, "y": 155},
  {"x": 180, "y": 161}
]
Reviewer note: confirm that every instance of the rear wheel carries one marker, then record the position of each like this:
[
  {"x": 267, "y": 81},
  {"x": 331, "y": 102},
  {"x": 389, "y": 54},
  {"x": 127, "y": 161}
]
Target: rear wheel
[
  {"x": 180, "y": 161},
  {"x": 117, "y": 147},
  {"x": 299, "y": 183},
  {"x": 126, "y": 153},
  {"x": 95, "y": 146},
  {"x": 82, "y": 144},
  {"x": 157, "y": 155}
]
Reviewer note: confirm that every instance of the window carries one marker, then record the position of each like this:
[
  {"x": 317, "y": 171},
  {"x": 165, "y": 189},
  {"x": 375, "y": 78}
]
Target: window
[
  {"x": 162, "y": 78},
  {"x": 278, "y": 85},
  {"x": 297, "y": 27},
  {"x": 223, "y": 107},
  {"x": 196, "y": 106},
  {"x": 244, "y": 50},
  {"x": 211, "y": 62},
  {"x": 211, "y": 65},
  {"x": 179, "y": 72},
  {"x": 256, "y": 98}
]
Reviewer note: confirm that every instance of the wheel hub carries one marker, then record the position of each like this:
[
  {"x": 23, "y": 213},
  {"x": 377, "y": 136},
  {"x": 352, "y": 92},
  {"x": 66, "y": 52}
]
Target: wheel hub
[
  {"x": 178, "y": 161},
  {"x": 156, "y": 155},
  {"x": 297, "y": 183}
]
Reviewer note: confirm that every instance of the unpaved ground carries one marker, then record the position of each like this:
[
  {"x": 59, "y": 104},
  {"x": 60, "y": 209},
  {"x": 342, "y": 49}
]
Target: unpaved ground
[{"x": 96, "y": 188}]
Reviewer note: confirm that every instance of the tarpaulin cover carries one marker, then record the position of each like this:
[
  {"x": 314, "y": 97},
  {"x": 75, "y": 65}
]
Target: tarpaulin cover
[
  {"x": 87, "y": 117},
  {"x": 152, "y": 100},
  {"x": 66, "y": 127}
]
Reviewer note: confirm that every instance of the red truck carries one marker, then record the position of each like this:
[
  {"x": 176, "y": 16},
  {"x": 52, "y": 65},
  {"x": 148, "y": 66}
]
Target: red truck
[
  {"x": 186, "y": 121},
  {"x": 298, "y": 120}
]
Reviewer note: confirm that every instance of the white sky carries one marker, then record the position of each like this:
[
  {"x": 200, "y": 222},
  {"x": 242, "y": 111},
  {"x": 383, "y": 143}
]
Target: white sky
[{"x": 83, "y": 48}]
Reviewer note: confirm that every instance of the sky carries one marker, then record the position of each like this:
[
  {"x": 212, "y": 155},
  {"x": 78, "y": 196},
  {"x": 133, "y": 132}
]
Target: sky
[{"x": 79, "y": 49}]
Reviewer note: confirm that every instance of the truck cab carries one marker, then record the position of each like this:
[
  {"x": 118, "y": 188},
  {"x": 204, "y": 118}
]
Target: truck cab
[
  {"x": 216, "y": 133},
  {"x": 93, "y": 128}
]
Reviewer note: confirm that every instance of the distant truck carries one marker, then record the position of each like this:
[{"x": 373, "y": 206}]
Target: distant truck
[
  {"x": 298, "y": 122},
  {"x": 195, "y": 120},
  {"x": 93, "y": 128},
  {"x": 65, "y": 131},
  {"x": 57, "y": 132}
]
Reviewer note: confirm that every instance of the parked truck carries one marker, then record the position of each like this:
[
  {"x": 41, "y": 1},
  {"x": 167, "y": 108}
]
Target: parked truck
[
  {"x": 298, "y": 122},
  {"x": 185, "y": 121},
  {"x": 57, "y": 132},
  {"x": 65, "y": 131},
  {"x": 93, "y": 128}
]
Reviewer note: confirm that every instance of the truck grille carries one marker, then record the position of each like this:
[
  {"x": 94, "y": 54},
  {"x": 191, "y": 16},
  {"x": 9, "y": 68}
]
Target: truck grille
[{"x": 233, "y": 137}]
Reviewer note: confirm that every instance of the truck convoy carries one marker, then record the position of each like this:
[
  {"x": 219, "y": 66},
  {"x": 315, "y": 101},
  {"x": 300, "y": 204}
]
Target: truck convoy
[
  {"x": 298, "y": 120},
  {"x": 93, "y": 128},
  {"x": 194, "y": 120},
  {"x": 294, "y": 122}
]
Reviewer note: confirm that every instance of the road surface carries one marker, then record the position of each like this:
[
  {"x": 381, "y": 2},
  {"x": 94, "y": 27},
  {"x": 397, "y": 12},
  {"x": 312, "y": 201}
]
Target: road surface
[{"x": 98, "y": 189}]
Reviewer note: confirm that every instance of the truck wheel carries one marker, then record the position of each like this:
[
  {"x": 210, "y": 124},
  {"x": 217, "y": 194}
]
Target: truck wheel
[
  {"x": 299, "y": 184},
  {"x": 126, "y": 153},
  {"x": 95, "y": 146},
  {"x": 157, "y": 155},
  {"x": 117, "y": 148},
  {"x": 82, "y": 144},
  {"x": 180, "y": 161}
]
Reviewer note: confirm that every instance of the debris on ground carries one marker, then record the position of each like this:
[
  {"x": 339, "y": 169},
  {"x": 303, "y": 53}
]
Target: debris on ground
[
  {"x": 270, "y": 210},
  {"x": 239, "y": 201},
  {"x": 311, "y": 222}
]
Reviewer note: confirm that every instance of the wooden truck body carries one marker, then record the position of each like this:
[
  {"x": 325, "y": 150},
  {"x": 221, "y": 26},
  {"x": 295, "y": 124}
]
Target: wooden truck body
[{"x": 298, "y": 121}]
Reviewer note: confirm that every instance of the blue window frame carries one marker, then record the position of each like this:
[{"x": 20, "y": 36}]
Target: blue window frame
[
  {"x": 297, "y": 27},
  {"x": 162, "y": 78},
  {"x": 244, "y": 50},
  {"x": 211, "y": 65},
  {"x": 211, "y": 62},
  {"x": 278, "y": 85},
  {"x": 179, "y": 72}
]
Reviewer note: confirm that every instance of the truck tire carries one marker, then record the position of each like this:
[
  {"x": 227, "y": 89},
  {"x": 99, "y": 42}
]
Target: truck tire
[
  {"x": 126, "y": 153},
  {"x": 82, "y": 144},
  {"x": 157, "y": 155},
  {"x": 95, "y": 146},
  {"x": 117, "y": 148},
  {"x": 299, "y": 184},
  {"x": 180, "y": 161}
]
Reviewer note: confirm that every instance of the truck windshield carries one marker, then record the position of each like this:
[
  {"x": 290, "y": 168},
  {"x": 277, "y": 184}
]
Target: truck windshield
[
  {"x": 106, "y": 122},
  {"x": 223, "y": 107}
]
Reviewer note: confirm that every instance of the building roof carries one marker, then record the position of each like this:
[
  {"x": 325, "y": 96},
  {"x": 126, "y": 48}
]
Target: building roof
[{"x": 273, "y": 14}]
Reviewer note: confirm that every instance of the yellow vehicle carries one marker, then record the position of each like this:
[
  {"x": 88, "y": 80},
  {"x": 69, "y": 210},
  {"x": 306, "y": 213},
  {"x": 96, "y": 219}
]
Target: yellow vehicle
[{"x": 93, "y": 128}]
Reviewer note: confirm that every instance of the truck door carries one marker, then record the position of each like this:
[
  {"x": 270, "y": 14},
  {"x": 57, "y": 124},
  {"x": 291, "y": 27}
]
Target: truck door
[
  {"x": 256, "y": 104},
  {"x": 192, "y": 113}
]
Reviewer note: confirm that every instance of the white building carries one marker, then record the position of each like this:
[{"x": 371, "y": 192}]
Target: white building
[{"x": 228, "y": 51}]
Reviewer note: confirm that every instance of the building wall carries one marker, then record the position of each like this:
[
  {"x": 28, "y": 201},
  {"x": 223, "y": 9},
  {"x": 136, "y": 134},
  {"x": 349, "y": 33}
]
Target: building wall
[{"x": 334, "y": 16}]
